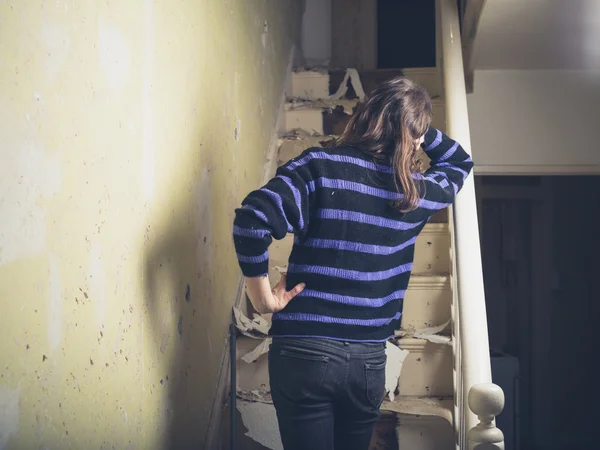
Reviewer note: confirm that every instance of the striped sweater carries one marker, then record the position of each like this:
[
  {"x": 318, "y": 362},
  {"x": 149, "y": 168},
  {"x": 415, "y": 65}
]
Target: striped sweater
[{"x": 353, "y": 250}]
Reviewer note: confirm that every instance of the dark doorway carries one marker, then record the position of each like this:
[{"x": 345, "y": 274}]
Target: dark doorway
[
  {"x": 405, "y": 34},
  {"x": 540, "y": 250}
]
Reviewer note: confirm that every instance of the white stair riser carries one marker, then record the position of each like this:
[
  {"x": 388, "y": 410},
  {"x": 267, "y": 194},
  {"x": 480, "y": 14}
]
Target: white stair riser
[
  {"x": 427, "y": 302},
  {"x": 315, "y": 85},
  {"x": 432, "y": 254},
  {"x": 308, "y": 119},
  {"x": 427, "y": 370},
  {"x": 424, "y": 433},
  {"x": 309, "y": 85}
]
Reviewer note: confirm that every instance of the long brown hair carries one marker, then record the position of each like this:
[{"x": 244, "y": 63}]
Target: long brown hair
[{"x": 386, "y": 126}]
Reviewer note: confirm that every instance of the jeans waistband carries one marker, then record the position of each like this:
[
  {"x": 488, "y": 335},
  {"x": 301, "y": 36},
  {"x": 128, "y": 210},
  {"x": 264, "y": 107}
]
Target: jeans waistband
[{"x": 354, "y": 348}]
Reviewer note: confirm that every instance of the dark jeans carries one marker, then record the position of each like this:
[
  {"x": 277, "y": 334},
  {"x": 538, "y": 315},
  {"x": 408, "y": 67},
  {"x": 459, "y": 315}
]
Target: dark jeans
[{"x": 326, "y": 393}]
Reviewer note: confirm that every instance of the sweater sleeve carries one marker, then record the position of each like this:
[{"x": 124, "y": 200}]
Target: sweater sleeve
[
  {"x": 450, "y": 166},
  {"x": 278, "y": 208}
]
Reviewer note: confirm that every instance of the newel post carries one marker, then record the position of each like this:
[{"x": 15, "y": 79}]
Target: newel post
[{"x": 486, "y": 401}]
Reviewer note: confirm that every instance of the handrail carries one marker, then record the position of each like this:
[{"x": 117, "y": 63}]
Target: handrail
[{"x": 475, "y": 367}]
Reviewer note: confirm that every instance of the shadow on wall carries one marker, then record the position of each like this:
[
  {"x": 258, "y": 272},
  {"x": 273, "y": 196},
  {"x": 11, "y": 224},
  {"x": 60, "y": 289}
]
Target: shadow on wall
[{"x": 188, "y": 338}]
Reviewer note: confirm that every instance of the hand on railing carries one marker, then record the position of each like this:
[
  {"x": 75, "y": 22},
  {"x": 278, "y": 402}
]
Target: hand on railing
[{"x": 486, "y": 401}]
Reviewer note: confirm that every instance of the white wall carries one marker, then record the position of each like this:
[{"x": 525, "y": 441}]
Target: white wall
[
  {"x": 538, "y": 34},
  {"x": 535, "y": 121},
  {"x": 316, "y": 32}
]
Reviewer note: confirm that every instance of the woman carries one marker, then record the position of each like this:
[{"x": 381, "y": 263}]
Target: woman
[{"x": 355, "y": 209}]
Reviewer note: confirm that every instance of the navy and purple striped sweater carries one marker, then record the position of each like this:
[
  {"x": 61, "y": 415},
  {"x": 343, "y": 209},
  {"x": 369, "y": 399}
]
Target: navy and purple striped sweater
[{"x": 353, "y": 250}]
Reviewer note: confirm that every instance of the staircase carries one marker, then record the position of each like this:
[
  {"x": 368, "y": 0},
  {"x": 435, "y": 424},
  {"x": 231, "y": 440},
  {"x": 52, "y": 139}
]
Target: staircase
[{"x": 440, "y": 394}]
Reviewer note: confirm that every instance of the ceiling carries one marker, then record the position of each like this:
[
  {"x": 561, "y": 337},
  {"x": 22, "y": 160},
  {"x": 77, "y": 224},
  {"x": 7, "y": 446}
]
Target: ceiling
[{"x": 538, "y": 34}]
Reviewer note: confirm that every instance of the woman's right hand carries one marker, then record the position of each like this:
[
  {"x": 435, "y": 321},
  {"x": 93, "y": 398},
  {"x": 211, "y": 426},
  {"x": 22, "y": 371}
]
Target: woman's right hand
[
  {"x": 281, "y": 296},
  {"x": 266, "y": 300}
]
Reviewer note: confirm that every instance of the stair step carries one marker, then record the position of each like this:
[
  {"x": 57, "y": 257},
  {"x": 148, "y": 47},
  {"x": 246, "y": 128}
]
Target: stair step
[
  {"x": 331, "y": 117},
  {"x": 421, "y": 406},
  {"x": 427, "y": 369},
  {"x": 427, "y": 302},
  {"x": 312, "y": 85},
  {"x": 428, "y": 77},
  {"x": 319, "y": 116},
  {"x": 425, "y": 432},
  {"x": 316, "y": 85}
]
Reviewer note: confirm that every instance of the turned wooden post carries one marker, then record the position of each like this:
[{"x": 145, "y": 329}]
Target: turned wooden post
[{"x": 486, "y": 401}]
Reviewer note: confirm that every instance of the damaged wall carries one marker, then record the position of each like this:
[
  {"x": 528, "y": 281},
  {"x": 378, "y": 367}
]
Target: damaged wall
[{"x": 129, "y": 132}]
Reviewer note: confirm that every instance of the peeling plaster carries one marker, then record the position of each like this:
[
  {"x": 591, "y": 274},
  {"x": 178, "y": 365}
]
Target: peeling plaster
[
  {"x": 261, "y": 421},
  {"x": 257, "y": 327},
  {"x": 354, "y": 77},
  {"x": 259, "y": 350},
  {"x": 431, "y": 334},
  {"x": 393, "y": 367}
]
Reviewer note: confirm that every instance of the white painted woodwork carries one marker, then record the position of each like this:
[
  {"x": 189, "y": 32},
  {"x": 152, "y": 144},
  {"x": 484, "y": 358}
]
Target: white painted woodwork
[
  {"x": 424, "y": 433},
  {"x": 310, "y": 85},
  {"x": 314, "y": 84},
  {"x": 432, "y": 253},
  {"x": 487, "y": 401},
  {"x": 308, "y": 119},
  {"x": 474, "y": 344},
  {"x": 427, "y": 301},
  {"x": 427, "y": 369}
]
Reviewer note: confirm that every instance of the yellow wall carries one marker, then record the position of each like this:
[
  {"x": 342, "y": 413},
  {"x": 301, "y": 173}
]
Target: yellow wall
[{"x": 119, "y": 173}]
